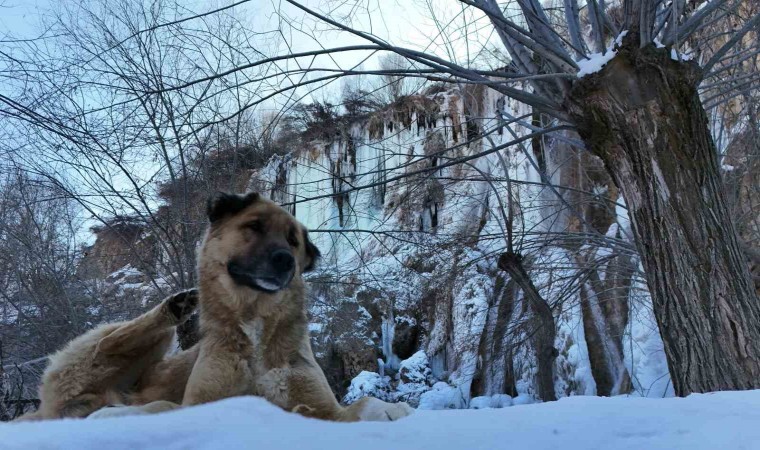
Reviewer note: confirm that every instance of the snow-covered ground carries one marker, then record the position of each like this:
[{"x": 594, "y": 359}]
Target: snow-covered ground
[{"x": 725, "y": 420}]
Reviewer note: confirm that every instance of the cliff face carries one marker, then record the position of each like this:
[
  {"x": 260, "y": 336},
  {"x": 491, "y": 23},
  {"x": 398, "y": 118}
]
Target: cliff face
[
  {"x": 411, "y": 233},
  {"x": 120, "y": 243}
]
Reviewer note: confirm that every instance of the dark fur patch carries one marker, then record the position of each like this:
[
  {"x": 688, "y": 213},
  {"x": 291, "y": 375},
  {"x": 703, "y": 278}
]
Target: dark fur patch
[
  {"x": 221, "y": 204},
  {"x": 312, "y": 252},
  {"x": 81, "y": 406}
]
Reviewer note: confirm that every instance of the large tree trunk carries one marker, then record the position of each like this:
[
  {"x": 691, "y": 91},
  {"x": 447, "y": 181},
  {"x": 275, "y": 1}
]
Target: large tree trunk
[{"x": 642, "y": 115}]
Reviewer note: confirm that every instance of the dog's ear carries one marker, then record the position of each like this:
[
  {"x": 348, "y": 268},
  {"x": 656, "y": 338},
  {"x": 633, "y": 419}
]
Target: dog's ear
[
  {"x": 312, "y": 253},
  {"x": 222, "y": 204}
]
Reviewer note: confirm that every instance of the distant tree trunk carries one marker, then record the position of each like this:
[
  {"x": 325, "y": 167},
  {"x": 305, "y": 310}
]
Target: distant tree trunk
[
  {"x": 604, "y": 307},
  {"x": 544, "y": 331},
  {"x": 495, "y": 373},
  {"x": 642, "y": 115}
]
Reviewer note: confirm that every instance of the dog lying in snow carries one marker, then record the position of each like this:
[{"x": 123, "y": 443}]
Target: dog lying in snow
[
  {"x": 253, "y": 324},
  {"x": 255, "y": 339}
]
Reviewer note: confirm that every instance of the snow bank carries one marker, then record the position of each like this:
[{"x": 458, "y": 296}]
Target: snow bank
[
  {"x": 493, "y": 401},
  {"x": 443, "y": 396},
  {"x": 708, "y": 421}
]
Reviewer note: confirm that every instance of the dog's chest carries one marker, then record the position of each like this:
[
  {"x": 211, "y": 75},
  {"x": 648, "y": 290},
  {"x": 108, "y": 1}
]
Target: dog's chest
[
  {"x": 254, "y": 330},
  {"x": 268, "y": 382}
]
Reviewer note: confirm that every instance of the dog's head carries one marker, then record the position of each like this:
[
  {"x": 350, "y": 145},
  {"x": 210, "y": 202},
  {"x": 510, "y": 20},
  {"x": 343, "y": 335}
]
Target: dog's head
[{"x": 256, "y": 243}]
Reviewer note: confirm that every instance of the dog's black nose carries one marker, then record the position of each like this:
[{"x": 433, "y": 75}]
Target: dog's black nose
[{"x": 282, "y": 261}]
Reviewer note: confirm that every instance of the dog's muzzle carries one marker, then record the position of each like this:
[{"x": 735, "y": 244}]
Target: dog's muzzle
[{"x": 270, "y": 273}]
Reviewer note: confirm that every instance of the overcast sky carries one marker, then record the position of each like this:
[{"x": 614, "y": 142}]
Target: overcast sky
[{"x": 402, "y": 22}]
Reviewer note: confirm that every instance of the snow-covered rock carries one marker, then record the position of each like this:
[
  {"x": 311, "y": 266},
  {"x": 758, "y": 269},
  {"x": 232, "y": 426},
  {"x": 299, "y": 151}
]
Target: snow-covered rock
[
  {"x": 368, "y": 384},
  {"x": 415, "y": 369},
  {"x": 481, "y": 402},
  {"x": 414, "y": 378},
  {"x": 523, "y": 399},
  {"x": 501, "y": 401}
]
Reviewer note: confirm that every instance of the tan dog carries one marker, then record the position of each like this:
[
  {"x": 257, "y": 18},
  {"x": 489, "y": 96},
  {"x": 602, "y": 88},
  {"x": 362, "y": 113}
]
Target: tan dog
[
  {"x": 111, "y": 362},
  {"x": 253, "y": 315}
]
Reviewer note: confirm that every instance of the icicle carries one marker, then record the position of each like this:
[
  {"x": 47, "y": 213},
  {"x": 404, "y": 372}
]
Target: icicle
[{"x": 388, "y": 328}]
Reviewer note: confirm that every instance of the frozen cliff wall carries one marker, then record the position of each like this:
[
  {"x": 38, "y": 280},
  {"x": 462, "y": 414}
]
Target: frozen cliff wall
[{"x": 412, "y": 206}]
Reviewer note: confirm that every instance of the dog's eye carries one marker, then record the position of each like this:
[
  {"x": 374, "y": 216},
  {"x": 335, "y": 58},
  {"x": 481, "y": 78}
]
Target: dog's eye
[
  {"x": 255, "y": 225},
  {"x": 292, "y": 239}
]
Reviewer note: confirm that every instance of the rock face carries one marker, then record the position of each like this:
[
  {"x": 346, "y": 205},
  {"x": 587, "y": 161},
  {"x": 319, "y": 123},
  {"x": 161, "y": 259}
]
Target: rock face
[
  {"x": 122, "y": 242},
  {"x": 411, "y": 225}
]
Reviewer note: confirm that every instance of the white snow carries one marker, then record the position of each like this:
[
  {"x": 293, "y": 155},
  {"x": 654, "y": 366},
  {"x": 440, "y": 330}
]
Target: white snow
[
  {"x": 725, "y": 420},
  {"x": 596, "y": 61},
  {"x": 126, "y": 271},
  {"x": 682, "y": 56}
]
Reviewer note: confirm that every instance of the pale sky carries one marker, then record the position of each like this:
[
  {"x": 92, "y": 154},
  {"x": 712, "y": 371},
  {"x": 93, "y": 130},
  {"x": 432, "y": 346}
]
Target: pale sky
[{"x": 407, "y": 23}]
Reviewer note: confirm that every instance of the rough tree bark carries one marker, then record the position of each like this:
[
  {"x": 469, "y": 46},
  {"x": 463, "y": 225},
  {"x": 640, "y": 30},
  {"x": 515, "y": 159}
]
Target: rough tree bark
[
  {"x": 544, "y": 331},
  {"x": 642, "y": 115}
]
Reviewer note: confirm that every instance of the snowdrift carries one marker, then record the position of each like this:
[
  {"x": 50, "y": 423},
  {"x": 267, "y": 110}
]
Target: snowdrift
[{"x": 724, "y": 420}]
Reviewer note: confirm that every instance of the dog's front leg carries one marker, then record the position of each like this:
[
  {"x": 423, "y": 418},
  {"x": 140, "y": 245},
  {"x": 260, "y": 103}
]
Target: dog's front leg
[
  {"x": 217, "y": 374},
  {"x": 154, "y": 325},
  {"x": 370, "y": 409}
]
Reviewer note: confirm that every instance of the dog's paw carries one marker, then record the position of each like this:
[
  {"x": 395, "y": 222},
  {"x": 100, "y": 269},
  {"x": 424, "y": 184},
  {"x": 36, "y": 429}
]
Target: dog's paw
[
  {"x": 182, "y": 304},
  {"x": 141, "y": 410},
  {"x": 117, "y": 411},
  {"x": 374, "y": 410}
]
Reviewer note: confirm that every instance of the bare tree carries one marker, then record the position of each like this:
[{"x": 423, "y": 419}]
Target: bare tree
[{"x": 43, "y": 302}]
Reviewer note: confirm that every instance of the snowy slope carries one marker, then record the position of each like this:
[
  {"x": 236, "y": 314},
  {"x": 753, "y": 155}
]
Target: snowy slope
[{"x": 725, "y": 420}]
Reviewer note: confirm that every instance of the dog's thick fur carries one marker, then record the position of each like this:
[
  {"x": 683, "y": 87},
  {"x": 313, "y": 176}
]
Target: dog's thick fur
[
  {"x": 256, "y": 341},
  {"x": 116, "y": 361}
]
